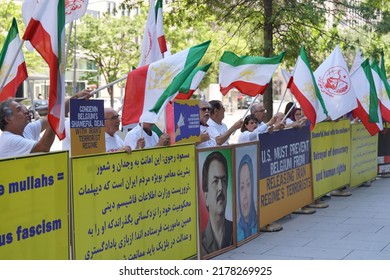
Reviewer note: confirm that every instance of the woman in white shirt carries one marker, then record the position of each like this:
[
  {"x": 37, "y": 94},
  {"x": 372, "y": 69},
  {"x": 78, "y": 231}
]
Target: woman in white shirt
[{"x": 249, "y": 129}]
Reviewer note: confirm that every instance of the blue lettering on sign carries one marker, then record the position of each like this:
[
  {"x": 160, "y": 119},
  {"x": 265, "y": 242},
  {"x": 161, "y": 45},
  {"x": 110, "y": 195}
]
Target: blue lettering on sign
[{"x": 284, "y": 150}]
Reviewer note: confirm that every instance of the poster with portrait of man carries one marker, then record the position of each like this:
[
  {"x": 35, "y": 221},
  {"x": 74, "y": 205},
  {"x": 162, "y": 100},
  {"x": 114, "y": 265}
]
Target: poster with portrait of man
[
  {"x": 247, "y": 184},
  {"x": 215, "y": 199}
]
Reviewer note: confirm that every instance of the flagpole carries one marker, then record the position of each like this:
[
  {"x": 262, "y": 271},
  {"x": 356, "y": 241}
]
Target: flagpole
[
  {"x": 106, "y": 86},
  {"x": 289, "y": 111},
  {"x": 74, "y": 63},
  {"x": 280, "y": 104},
  {"x": 250, "y": 106},
  {"x": 12, "y": 64},
  {"x": 247, "y": 110}
]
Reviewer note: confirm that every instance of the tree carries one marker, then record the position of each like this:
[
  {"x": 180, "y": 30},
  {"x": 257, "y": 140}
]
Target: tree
[
  {"x": 111, "y": 43},
  {"x": 268, "y": 27}
]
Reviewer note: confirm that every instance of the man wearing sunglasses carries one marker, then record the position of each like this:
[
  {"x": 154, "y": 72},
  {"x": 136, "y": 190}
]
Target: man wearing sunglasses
[
  {"x": 204, "y": 116},
  {"x": 259, "y": 112},
  {"x": 112, "y": 121}
]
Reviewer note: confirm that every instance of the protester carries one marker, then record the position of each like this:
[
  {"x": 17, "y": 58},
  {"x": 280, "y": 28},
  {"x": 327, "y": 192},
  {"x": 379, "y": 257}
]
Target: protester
[
  {"x": 14, "y": 118},
  {"x": 34, "y": 128},
  {"x": 296, "y": 118},
  {"x": 219, "y": 231},
  {"x": 259, "y": 112},
  {"x": 204, "y": 116},
  {"x": 249, "y": 129},
  {"x": 288, "y": 110},
  {"x": 112, "y": 122},
  {"x": 217, "y": 129},
  {"x": 144, "y": 137}
]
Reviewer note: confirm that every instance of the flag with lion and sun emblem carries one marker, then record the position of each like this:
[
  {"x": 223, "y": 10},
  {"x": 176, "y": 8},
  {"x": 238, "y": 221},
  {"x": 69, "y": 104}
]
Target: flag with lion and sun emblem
[
  {"x": 250, "y": 75},
  {"x": 150, "y": 87}
]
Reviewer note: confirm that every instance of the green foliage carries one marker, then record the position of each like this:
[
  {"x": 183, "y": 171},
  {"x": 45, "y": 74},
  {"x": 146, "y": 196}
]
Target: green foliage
[
  {"x": 267, "y": 27},
  {"x": 110, "y": 43}
]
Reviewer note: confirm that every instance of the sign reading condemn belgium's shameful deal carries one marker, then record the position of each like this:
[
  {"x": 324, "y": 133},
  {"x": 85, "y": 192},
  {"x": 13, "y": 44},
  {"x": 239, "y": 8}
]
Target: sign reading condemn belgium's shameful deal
[
  {"x": 285, "y": 173},
  {"x": 87, "y": 127}
]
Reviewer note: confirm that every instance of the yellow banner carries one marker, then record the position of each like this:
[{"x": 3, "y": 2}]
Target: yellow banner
[
  {"x": 137, "y": 206},
  {"x": 34, "y": 207},
  {"x": 364, "y": 155},
  {"x": 284, "y": 193},
  {"x": 330, "y": 156}
]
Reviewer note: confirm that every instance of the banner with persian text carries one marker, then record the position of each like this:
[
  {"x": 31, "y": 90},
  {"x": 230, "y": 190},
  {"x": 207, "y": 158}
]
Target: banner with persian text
[
  {"x": 364, "y": 151},
  {"x": 137, "y": 206}
]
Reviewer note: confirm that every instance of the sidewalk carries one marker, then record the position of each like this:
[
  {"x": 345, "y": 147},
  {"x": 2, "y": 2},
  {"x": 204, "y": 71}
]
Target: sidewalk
[{"x": 356, "y": 227}]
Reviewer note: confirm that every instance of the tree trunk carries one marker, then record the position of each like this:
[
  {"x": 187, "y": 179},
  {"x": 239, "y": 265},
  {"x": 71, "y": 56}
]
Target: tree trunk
[
  {"x": 268, "y": 51},
  {"x": 110, "y": 90}
]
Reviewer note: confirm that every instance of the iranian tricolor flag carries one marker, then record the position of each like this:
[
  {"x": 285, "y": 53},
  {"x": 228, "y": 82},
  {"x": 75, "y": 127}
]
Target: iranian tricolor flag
[
  {"x": 333, "y": 80},
  {"x": 367, "y": 110},
  {"x": 150, "y": 49},
  {"x": 46, "y": 33},
  {"x": 191, "y": 84},
  {"x": 18, "y": 72},
  {"x": 160, "y": 27},
  {"x": 303, "y": 86},
  {"x": 382, "y": 90},
  {"x": 248, "y": 74},
  {"x": 150, "y": 87}
]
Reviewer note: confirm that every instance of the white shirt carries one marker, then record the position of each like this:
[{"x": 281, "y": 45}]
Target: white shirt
[
  {"x": 33, "y": 130},
  {"x": 248, "y": 136},
  {"x": 15, "y": 145},
  {"x": 209, "y": 143},
  {"x": 113, "y": 143},
  {"x": 216, "y": 130},
  {"x": 136, "y": 133}
]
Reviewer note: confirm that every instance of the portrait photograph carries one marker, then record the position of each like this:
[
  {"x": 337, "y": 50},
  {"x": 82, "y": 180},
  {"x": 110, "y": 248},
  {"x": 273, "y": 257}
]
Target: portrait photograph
[
  {"x": 246, "y": 179},
  {"x": 215, "y": 191}
]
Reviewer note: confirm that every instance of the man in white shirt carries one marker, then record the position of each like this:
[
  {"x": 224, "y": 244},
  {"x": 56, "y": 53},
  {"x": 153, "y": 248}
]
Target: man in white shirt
[
  {"x": 14, "y": 118},
  {"x": 217, "y": 129},
  {"x": 112, "y": 122},
  {"x": 259, "y": 112},
  {"x": 33, "y": 129},
  {"x": 204, "y": 116}
]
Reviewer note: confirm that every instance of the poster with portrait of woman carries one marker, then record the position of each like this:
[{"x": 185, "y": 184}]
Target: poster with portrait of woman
[
  {"x": 215, "y": 201},
  {"x": 247, "y": 184}
]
